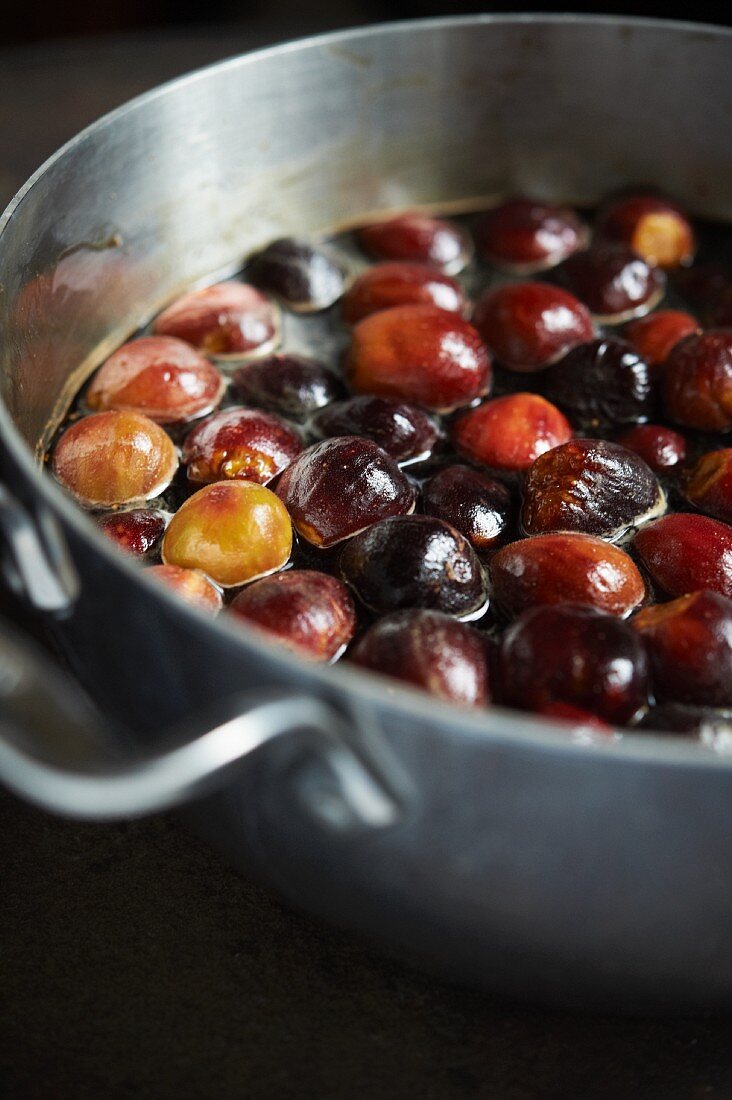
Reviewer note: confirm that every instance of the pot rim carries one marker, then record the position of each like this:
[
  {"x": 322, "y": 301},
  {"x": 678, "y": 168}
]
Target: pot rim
[{"x": 497, "y": 725}]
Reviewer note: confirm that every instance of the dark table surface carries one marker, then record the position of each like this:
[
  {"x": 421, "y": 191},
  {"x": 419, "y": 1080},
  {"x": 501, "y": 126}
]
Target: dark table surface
[{"x": 134, "y": 962}]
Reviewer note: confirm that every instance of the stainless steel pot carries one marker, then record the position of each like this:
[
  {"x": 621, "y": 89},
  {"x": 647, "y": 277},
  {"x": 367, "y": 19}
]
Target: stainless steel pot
[{"x": 483, "y": 845}]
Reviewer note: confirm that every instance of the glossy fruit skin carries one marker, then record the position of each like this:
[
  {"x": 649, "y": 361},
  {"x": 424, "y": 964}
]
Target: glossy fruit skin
[
  {"x": 528, "y": 326},
  {"x": 414, "y": 561},
  {"x": 661, "y": 448},
  {"x": 419, "y": 354},
  {"x": 340, "y": 486},
  {"x": 431, "y": 651},
  {"x": 510, "y": 432},
  {"x": 305, "y": 278},
  {"x": 708, "y": 484},
  {"x": 227, "y": 320},
  {"x": 614, "y": 282},
  {"x": 240, "y": 443},
  {"x": 522, "y": 236},
  {"x": 114, "y": 458},
  {"x": 566, "y": 568},
  {"x": 190, "y": 585},
  {"x": 684, "y": 553},
  {"x": 310, "y": 613},
  {"x": 653, "y": 227},
  {"x": 689, "y": 644},
  {"x": 405, "y": 432},
  {"x": 160, "y": 376},
  {"x": 417, "y": 238},
  {"x": 400, "y": 284},
  {"x": 696, "y": 385},
  {"x": 291, "y": 385},
  {"x": 602, "y": 383},
  {"x": 590, "y": 486},
  {"x": 656, "y": 335},
  {"x": 476, "y": 505},
  {"x": 234, "y": 531},
  {"x": 137, "y": 531},
  {"x": 574, "y": 655}
]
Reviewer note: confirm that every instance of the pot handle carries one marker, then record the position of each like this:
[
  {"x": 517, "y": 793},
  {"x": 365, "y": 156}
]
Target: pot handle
[{"x": 58, "y": 752}]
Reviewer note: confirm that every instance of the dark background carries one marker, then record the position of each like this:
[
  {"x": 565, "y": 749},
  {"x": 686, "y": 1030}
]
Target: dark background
[{"x": 51, "y": 18}]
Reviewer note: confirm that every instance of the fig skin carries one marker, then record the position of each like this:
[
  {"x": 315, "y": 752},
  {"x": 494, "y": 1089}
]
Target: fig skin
[
  {"x": 294, "y": 386},
  {"x": 310, "y": 613},
  {"x": 684, "y": 552},
  {"x": 113, "y": 458},
  {"x": 415, "y": 561},
  {"x": 708, "y": 484},
  {"x": 613, "y": 282},
  {"x": 336, "y": 488},
  {"x": 405, "y": 432},
  {"x": 661, "y": 448},
  {"x": 563, "y": 568},
  {"x": 656, "y": 335},
  {"x": 652, "y": 226},
  {"x": 304, "y": 277},
  {"x": 529, "y": 326},
  {"x": 431, "y": 651},
  {"x": 574, "y": 655},
  {"x": 696, "y": 385},
  {"x": 226, "y": 321},
  {"x": 478, "y": 506},
  {"x": 510, "y": 432},
  {"x": 689, "y": 644},
  {"x": 400, "y": 284},
  {"x": 589, "y": 486},
  {"x": 417, "y": 238},
  {"x": 190, "y": 584},
  {"x": 523, "y": 236},
  {"x": 603, "y": 383},
  {"x": 159, "y": 376},
  {"x": 419, "y": 354}
]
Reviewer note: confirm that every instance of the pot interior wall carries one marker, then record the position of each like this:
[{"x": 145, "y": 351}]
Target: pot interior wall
[{"x": 185, "y": 181}]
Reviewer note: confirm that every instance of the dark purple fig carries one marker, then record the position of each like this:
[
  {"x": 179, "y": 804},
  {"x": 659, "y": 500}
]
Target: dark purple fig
[
  {"x": 415, "y": 561},
  {"x": 603, "y": 383},
  {"x": 303, "y": 277},
  {"x": 615, "y": 283},
  {"x": 575, "y": 655},
  {"x": 404, "y": 431},
  {"x": 477, "y": 505},
  {"x": 338, "y": 487},
  {"x": 291, "y": 385},
  {"x": 431, "y": 651}
]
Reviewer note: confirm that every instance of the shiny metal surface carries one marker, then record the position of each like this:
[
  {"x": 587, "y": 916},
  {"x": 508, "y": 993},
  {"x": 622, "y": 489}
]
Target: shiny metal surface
[
  {"x": 59, "y": 753},
  {"x": 577, "y": 874}
]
